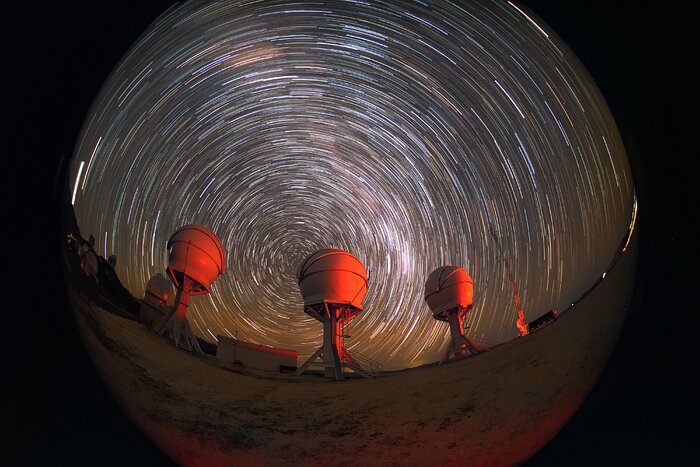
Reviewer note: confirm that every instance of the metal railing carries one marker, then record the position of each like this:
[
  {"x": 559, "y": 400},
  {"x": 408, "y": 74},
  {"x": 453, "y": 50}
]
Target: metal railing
[{"x": 371, "y": 367}]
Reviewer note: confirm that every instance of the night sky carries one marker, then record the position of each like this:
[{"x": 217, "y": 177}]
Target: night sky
[
  {"x": 398, "y": 132},
  {"x": 59, "y": 412}
]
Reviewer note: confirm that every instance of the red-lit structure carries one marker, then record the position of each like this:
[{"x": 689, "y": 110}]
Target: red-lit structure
[
  {"x": 195, "y": 259},
  {"x": 333, "y": 284},
  {"x": 449, "y": 294},
  {"x": 520, "y": 323}
]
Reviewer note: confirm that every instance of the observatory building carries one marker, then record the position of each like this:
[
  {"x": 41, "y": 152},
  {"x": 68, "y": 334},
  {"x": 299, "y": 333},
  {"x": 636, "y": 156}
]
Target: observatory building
[
  {"x": 255, "y": 356},
  {"x": 333, "y": 284},
  {"x": 195, "y": 259},
  {"x": 449, "y": 293}
]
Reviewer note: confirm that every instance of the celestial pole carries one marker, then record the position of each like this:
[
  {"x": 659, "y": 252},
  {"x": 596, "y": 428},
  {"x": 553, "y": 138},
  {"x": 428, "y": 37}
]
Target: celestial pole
[{"x": 397, "y": 131}]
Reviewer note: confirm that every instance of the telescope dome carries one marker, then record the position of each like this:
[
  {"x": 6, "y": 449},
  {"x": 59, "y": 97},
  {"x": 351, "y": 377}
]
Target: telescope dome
[
  {"x": 448, "y": 287},
  {"x": 331, "y": 275},
  {"x": 159, "y": 290},
  {"x": 196, "y": 251}
]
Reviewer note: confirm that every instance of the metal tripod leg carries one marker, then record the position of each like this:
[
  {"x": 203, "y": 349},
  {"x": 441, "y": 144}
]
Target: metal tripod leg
[{"x": 311, "y": 359}]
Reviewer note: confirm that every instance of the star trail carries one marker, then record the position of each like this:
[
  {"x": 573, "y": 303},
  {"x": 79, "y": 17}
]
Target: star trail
[{"x": 402, "y": 132}]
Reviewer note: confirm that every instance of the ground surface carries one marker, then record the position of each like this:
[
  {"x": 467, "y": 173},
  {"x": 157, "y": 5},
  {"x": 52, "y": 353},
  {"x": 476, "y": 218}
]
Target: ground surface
[{"x": 498, "y": 408}]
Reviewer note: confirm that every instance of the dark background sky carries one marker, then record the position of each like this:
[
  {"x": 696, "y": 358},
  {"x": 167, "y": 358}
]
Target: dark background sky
[{"x": 58, "y": 412}]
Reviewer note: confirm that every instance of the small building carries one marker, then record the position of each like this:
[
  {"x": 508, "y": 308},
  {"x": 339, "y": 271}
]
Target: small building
[
  {"x": 546, "y": 318},
  {"x": 255, "y": 356}
]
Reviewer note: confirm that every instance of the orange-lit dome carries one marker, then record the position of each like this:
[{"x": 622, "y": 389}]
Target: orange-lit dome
[
  {"x": 194, "y": 250},
  {"x": 448, "y": 287},
  {"x": 332, "y": 276}
]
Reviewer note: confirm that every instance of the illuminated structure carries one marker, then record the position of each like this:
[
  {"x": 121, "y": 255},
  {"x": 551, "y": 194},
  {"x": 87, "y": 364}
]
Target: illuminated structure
[
  {"x": 521, "y": 324},
  {"x": 333, "y": 284},
  {"x": 195, "y": 259},
  {"x": 449, "y": 292}
]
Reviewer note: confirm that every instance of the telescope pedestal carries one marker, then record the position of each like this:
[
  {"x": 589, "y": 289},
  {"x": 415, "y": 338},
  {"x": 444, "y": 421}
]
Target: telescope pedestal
[
  {"x": 459, "y": 343},
  {"x": 332, "y": 353},
  {"x": 175, "y": 324}
]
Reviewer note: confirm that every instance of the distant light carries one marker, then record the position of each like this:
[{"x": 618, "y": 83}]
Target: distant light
[
  {"x": 604, "y": 274},
  {"x": 75, "y": 188}
]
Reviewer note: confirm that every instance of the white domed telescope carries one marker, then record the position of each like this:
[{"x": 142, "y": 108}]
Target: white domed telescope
[
  {"x": 333, "y": 284},
  {"x": 195, "y": 259},
  {"x": 159, "y": 291},
  {"x": 448, "y": 293}
]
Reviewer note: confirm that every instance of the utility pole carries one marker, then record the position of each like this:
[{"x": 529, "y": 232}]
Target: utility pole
[{"x": 520, "y": 323}]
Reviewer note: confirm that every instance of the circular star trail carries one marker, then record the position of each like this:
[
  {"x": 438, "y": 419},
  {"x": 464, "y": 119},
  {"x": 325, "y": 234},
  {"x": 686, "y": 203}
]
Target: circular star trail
[{"x": 412, "y": 135}]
